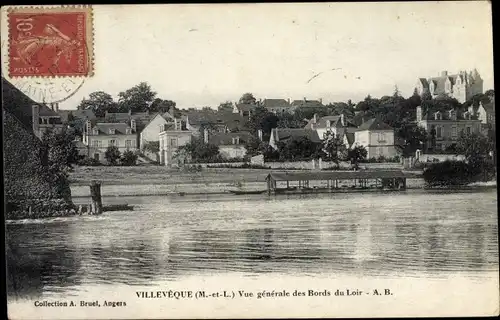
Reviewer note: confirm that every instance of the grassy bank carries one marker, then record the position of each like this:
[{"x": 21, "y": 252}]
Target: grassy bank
[{"x": 160, "y": 175}]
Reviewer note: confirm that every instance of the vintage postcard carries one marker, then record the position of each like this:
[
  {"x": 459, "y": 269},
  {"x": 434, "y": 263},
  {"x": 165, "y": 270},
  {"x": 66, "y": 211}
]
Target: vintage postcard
[{"x": 250, "y": 160}]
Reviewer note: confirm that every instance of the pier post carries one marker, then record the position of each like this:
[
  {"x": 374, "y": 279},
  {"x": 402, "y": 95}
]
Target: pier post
[{"x": 95, "y": 194}]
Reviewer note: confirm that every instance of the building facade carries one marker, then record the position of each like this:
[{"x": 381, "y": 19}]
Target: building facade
[
  {"x": 171, "y": 138},
  {"x": 377, "y": 137},
  {"x": 152, "y": 130},
  {"x": 99, "y": 136},
  {"x": 231, "y": 144},
  {"x": 445, "y": 128},
  {"x": 338, "y": 125},
  {"x": 45, "y": 119},
  {"x": 461, "y": 86}
]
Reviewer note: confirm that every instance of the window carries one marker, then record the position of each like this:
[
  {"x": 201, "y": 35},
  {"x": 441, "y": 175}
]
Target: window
[
  {"x": 454, "y": 132},
  {"x": 173, "y": 142},
  {"x": 96, "y": 156},
  {"x": 468, "y": 130},
  {"x": 95, "y": 144},
  {"x": 129, "y": 130},
  {"x": 236, "y": 140},
  {"x": 381, "y": 137},
  {"x": 328, "y": 124},
  {"x": 111, "y": 131},
  {"x": 95, "y": 131},
  {"x": 438, "y": 116},
  {"x": 128, "y": 143},
  {"x": 112, "y": 142},
  {"x": 439, "y": 132}
]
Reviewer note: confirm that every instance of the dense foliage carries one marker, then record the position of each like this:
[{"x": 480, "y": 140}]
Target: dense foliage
[
  {"x": 449, "y": 173},
  {"x": 112, "y": 155}
]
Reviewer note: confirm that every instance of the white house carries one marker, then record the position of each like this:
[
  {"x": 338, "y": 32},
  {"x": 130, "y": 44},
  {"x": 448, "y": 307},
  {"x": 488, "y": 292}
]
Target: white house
[
  {"x": 338, "y": 125},
  {"x": 231, "y": 144},
  {"x": 99, "y": 136},
  {"x": 152, "y": 130},
  {"x": 171, "y": 138},
  {"x": 377, "y": 137}
]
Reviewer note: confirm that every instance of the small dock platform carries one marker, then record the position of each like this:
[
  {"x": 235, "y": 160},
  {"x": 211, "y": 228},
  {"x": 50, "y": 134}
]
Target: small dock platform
[{"x": 335, "y": 181}]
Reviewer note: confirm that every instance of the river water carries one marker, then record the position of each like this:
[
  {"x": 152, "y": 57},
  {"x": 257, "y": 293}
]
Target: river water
[{"x": 409, "y": 235}]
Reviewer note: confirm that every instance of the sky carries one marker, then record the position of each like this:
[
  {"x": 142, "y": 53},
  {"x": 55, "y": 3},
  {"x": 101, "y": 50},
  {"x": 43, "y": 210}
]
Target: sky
[{"x": 202, "y": 55}]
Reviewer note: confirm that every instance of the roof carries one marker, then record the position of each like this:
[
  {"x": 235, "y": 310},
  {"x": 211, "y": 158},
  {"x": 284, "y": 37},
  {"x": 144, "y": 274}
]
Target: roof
[
  {"x": 120, "y": 128},
  {"x": 78, "y": 114},
  {"x": 275, "y": 103},
  {"x": 321, "y": 122},
  {"x": 307, "y": 103},
  {"x": 424, "y": 82},
  {"x": 350, "y": 137},
  {"x": 143, "y": 117},
  {"x": 221, "y": 139},
  {"x": 245, "y": 106},
  {"x": 21, "y": 106},
  {"x": 374, "y": 124},
  {"x": 339, "y": 175},
  {"x": 229, "y": 119},
  {"x": 288, "y": 133}
]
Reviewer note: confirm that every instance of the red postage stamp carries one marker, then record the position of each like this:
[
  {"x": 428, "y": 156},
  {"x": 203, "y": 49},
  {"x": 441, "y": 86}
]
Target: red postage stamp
[{"x": 50, "y": 42}]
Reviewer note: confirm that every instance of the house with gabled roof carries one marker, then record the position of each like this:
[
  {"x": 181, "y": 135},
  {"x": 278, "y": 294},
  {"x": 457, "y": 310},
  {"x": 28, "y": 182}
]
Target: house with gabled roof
[
  {"x": 277, "y": 106},
  {"x": 152, "y": 129},
  {"x": 446, "y": 126},
  {"x": 461, "y": 86},
  {"x": 338, "y": 125},
  {"x": 485, "y": 112},
  {"x": 231, "y": 144},
  {"x": 377, "y": 137},
  {"x": 172, "y": 136},
  {"x": 244, "y": 109},
  {"x": 214, "y": 121},
  {"x": 286, "y": 134},
  {"x": 98, "y": 136},
  {"x": 305, "y": 103}
]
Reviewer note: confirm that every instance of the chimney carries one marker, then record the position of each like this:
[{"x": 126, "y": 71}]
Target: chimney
[
  {"x": 205, "y": 135},
  {"x": 419, "y": 113},
  {"x": 320, "y": 100},
  {"x": 175, "y": 123},
  {"x": 259, "y": 133},
  {"x": 305, "y": 99},
  {"x": 288, "y": 100},
  {"x": 444, "y": 73},
  {"x": 342, "y": 120},
  {"x": 56, "y": 106},
  {"x": 133, "y": 125},
  {"x": 315, "y": 118},
  {"x": 36, "y": 118}
]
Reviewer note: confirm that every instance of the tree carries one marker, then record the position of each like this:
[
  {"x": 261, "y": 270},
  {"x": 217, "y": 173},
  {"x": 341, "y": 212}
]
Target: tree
[
  {"x": 334, "y": 147},
  {"x": 162, "y": 106},
  {"x": 62, "y": 153},
  {"x": 357, "y": 154},
  {"x": 413, "y": 138},
  {"x": 475, "y": 147},
  {"x": 253, "y": 146},
  {"x": 151, "y": 146},
  {"x": 225, "y": 107},
  {"x": 426, "y": 95},
  {"x": 112, "y": 155},
  {"x": 129, "y": 158},
  {"x": 299, "y": 149},
  {"x": 99, "y": 102},
  {"x": 248, "y": 98},
  {"x": 136, "y": 99},
  {"x": 198, "y": 151},
  {"x": 264, "y": 120}
]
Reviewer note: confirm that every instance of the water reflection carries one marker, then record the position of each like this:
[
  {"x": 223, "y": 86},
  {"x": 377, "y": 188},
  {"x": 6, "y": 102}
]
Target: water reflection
[{"x": 367, "y": 235}]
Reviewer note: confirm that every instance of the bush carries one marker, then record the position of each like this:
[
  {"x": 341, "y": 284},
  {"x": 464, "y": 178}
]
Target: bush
[
  {"x": 112, "y": 155},
  {"x": 449, "y": 173},
  {"x": 87, "y": 161},
  {"x": 129, "y": 158},
  {"x": 241, "y": 166}
]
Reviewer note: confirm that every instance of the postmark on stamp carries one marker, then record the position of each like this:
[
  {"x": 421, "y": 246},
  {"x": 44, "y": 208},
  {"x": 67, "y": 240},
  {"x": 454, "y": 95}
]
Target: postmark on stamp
[{"x": 50, "y": 42}]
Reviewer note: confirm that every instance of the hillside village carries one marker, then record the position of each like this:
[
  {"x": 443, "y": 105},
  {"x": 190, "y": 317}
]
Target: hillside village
[{"x": 388, "y": 129}]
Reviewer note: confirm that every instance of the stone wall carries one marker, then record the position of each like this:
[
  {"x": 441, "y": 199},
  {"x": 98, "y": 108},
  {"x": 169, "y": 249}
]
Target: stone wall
[{"x": 26, "y": 176}]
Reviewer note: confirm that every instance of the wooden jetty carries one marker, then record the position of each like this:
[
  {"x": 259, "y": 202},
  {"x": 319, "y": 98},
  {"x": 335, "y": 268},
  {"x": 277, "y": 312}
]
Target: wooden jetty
[{"x": 336, "y": 181}]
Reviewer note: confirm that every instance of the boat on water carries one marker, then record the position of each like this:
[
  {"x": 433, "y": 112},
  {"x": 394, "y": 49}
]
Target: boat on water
[
  {"x": 240, "y": 192},
  {"x": 118, "y": 207}
]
